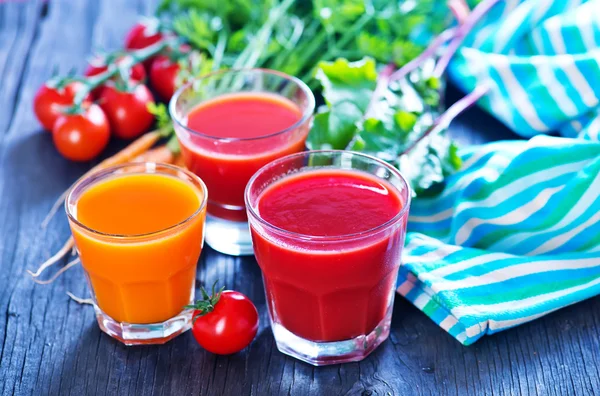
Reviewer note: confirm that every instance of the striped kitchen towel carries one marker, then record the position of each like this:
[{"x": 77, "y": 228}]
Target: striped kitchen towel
[
  {"x": 515, "y": 233},
  {"x": 542, "y": 60}
]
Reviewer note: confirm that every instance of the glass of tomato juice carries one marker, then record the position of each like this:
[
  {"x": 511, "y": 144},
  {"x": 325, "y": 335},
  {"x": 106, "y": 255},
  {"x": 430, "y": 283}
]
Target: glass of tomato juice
[
  {"x": 229, "y": 124},
  {"x": 139, "y": 232},
  {"x": 328, "y": 229}
]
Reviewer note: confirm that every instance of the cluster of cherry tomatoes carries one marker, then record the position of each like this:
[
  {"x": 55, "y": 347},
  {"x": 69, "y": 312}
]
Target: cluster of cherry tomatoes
[
  {"x": 118, "y": 107},
  {"x": 225, "y": 322}
]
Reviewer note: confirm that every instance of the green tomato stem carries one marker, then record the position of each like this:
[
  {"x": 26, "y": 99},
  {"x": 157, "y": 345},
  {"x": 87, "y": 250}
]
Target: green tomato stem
[{"x": 132, "y": 58}]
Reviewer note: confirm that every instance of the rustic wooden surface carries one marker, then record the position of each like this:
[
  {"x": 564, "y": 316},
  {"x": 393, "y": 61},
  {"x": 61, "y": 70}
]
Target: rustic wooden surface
[{"x": 50, "y": 345}]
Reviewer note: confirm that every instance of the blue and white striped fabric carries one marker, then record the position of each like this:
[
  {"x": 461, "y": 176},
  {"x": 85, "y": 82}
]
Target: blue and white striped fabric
[
  {"x": 515, "y": 234},
  {"x": 542, "y": 58}
]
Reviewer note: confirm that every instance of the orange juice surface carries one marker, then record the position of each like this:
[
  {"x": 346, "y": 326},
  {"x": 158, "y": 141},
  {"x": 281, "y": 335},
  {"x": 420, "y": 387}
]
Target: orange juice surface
[{"x": 145, "y": 270}]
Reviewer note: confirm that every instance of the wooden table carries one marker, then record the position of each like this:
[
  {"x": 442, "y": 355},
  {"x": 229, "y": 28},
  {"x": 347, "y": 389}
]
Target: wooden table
[{"x": 50, "y": 345}]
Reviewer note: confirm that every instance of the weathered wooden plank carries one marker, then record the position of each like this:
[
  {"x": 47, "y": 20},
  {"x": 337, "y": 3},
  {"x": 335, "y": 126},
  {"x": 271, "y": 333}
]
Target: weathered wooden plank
[
  {"x": 19, "y": 28},
  {"x": 28, "y": 166}
]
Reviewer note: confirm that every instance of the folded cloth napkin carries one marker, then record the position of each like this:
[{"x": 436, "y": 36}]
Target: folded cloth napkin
[
  {"x": 542, "y": 60},
  {"x": 515, "y": 233}
]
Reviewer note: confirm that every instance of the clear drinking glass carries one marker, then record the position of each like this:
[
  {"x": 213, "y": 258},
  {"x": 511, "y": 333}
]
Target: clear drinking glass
[
  {"x": 227, "y": 163},
  {"x": 140, "y": 283},
  {"x": 330, "y": 297}
]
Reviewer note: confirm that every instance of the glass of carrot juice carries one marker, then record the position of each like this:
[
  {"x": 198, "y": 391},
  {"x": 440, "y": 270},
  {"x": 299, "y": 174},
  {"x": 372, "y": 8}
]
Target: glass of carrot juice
[
  {"x": 328, "y": 229},
  {"x": 139, "y": 230},
  {"x": 229, "y": 124}
]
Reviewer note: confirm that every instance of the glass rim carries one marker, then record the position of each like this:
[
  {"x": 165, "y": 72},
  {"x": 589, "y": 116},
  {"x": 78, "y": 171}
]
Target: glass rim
[
  {"x": 102, "y": 174},
  {"x": 306, "y": 114},
  {"x": 324, "y": 238}
]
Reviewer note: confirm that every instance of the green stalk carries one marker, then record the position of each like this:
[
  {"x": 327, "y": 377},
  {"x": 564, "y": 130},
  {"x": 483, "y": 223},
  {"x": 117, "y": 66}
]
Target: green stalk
[
  {"x": 309, "y": 52},
  {"x": 251, "y": 54},
  {"x": 278, "y": 61},
  {"x": 351, "y": 34},
  {"x": 131, "y": 59},
  {"x": 342, "y": 42},
  {"x": 254, "y": 50},
  {"x": 219, "y": 50}
]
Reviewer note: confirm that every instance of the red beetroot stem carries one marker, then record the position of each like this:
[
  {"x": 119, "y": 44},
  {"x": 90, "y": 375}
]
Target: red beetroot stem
[
  {"x": 460, "y": 9},
  {"x": 443, "y": 121},
  {"x": 383, "y": 80},
  {"x": 463, "y": 30},
  {"x": 430, "y": 51}
]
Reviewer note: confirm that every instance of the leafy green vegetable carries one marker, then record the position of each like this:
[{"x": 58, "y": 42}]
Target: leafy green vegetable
[
  {"x": 345, "y": 81},
  {"x": 300, "y": 33},
  {"x": 387, "y": 128},
  {"x": 163, "y": 121},
  {"x": 337, "y": 47}
]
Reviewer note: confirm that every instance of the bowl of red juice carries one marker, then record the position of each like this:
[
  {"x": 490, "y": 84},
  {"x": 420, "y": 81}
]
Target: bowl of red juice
[
  {"x": 229, "y": 124},
  {"x": 328, "y": 229}
]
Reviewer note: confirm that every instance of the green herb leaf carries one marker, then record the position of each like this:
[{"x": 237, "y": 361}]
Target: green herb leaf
[
  {"x": 345, "y": 81},
  {"x": 376, "y": 46},
  {"x": 405, "y": 120},
  {"x": 429, "y": 162},
  {"x": 337, "y": 15},
  {"x": 334, "y": 127},
  {"x": 163, "y": 119},
  {"x": 397, "y": 119}
]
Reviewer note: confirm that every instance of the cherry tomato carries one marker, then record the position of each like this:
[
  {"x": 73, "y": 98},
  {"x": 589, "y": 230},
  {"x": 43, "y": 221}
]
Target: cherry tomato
[
  {"x": 98, "y": 65},
  {"x": 49, "y": 101},
  {"x": 81, "y": 137},
  {"x": 226, "y": 324},
  {"x": 163, "y": 76},
  {"x": 127, "y": 112},
  {"x": 164, "y": 71},
  {"x": 143, "y": 34},
  {"x": 137, "y": 72}
]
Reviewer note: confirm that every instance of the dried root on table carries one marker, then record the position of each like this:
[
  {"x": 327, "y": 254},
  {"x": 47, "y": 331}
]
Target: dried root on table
[{"x": 140, "y": 150}]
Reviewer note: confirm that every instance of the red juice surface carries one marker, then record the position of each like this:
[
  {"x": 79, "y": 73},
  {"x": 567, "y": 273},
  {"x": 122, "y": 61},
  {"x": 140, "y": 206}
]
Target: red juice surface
[
  {"x": 226, "y": 166},
  {"x": 339, "y": 288}
]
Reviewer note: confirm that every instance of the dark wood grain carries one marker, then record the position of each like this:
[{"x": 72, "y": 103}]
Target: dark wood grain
[{"x": 50, "y": 345}]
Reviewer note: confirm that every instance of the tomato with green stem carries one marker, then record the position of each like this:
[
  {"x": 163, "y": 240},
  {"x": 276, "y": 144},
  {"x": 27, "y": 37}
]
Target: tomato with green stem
[
  {"x": 165, "y": 70},
  {"x": 99, "y": 65},
  {"x": 224, "y": 322},
  {"x": 127, "y": 109},
  {"x": 82, "y": 135},
  {"x": 54, "y": 97},
  {"x": 163, "y": 76},
  {"x": 143, "y": 34}
]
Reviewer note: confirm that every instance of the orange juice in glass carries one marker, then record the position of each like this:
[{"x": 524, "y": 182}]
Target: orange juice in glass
[{"x": 139, "y": 231}]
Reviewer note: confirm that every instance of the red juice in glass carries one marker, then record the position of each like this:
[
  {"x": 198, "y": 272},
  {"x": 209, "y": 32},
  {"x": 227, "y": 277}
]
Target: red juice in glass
[
  {"x": 328, "y": 229},
  {"x": 229, "y": 124},
  {"x": 243, "y": 115}
]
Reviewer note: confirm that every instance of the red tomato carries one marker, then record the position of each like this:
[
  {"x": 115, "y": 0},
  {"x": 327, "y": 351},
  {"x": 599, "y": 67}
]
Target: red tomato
[
  {"x": 229, "y": 325},
  {"x": 143, "y": 34},
  {"x": 81, "y": 137},
  {"x": 163, "y": 76},
  {"x": 127, "y": 112},
  {"x": 97, "y": 66},
  {"x": 165, "y": 69},
  {"x": 137, "y": 72},
  {"x": 49, "y": 102}
]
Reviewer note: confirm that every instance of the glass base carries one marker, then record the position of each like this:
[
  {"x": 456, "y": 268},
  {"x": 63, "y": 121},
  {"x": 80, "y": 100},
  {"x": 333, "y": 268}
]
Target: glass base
[
  {"x": 228, "y": 237},
  {"x": 144, "y": 334},
  {"x": 325, "y": 353}
]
